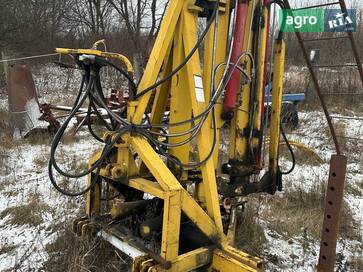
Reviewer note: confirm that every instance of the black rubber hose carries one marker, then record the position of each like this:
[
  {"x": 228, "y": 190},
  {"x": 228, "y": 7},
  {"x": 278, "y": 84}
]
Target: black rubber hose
[
  {"x": 67, "y": 193},
  {"x": 97, "y": 99},
  {"x": 99, "y": 91},
  {"x": 186, "y": 60},
  {"x": 73, "y": 194},
  {"x": 62, "y": 129},
  {"x": 183, "y": 165},
  {"x": 80, "y": 90},
  {"x": 58, "y": 136},
  {"x": 291, "y": 152},
  {"x": 89, "y": 126},
  {"x": 99, "y": 115},
  {"x": 106, "y": 152},
  {"x": 103, "y": 61}
]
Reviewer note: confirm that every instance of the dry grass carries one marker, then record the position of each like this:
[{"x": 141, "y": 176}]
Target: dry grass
[
  {"x": 69, "y": 137},
  {"x": 337, "y": 87},
  {"x": 349, "y": 147},
  {"x": 354, "y": 189},
  {"x": 11, "y": 193},
  {"x": 345, "y": 105},
  {"x": 2, "y": 186},
  {"x": 349, "y": 227},
  {"x": 300, "y": 213},
  {"x": 40, "y": 161},
  {"x": 250, "y": 236},
  {"x": 356, "y": 263},
  {"x": 360, "y": 185},
  {"x": 27, "y": 214},
  {"x": 296, "y": 211},
  {"x": 38, "y": 136},
  {"x": 340, "y": 130},
  {"x": 302, "y": 156},
  {"x": 5, "y": 135},
  {"x": 6, "y": 183},
  {"x": 71, "y": 253},
  {"x": 5, "y": 249}
]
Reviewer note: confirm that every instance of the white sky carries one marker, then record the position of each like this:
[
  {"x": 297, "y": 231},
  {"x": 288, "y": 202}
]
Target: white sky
[{"x": 301, "y": 3}]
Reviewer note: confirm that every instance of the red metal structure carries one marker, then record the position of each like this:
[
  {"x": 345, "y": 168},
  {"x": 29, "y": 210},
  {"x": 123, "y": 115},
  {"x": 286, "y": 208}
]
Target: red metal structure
[{"x": 230, "y": 98}]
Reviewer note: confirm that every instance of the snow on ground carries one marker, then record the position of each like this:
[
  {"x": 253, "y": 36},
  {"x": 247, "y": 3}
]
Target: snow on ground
[
  {"x": 301, "y": 253},
  {"x": 26, "y": 176}
]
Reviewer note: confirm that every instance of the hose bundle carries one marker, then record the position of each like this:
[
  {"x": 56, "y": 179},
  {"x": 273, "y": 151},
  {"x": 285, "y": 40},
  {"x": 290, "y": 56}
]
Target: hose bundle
[{"x": 91, "y": 90}]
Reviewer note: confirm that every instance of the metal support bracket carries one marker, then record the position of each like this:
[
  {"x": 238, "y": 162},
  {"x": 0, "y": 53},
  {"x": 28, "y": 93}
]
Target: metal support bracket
[{"x": 333, "y": 205}]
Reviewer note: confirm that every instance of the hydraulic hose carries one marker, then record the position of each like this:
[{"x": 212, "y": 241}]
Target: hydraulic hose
[{"x": 291, "y": 152}]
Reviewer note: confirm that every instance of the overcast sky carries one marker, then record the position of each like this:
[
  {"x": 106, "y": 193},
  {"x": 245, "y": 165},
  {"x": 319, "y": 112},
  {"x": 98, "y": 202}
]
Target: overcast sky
[{"x": 301, "y": 3}]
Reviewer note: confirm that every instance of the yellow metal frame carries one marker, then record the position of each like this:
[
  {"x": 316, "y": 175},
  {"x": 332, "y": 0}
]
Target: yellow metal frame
[
  {"x": 176, "y": 38},
  {"x": 124, "y": 60},
  {"x": 277, "y": 90}
]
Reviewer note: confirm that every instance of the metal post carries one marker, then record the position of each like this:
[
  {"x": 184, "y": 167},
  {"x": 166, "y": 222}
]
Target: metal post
[{"x": 333, "y": 206}]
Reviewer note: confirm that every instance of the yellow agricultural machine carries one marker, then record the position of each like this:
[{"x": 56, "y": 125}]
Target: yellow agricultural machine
[{"x": 159, "y": 190}]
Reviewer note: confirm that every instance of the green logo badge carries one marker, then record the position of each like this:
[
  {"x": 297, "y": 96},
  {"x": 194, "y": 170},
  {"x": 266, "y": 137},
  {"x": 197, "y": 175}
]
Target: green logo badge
[{"x": 304, "y": 20}]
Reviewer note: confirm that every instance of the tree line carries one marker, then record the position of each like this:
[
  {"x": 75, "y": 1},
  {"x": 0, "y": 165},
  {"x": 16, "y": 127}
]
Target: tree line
[{"x": 38, "y": 26}]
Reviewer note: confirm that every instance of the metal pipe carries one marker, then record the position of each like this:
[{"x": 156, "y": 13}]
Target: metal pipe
[
  {"x": 318, "y": 6},
  {"x": 325, "y": 39},
  {"x": 124, "y": 247}
]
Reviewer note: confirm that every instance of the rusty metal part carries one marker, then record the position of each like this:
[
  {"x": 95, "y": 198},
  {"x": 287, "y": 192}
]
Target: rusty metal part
[
  {"x": 80, "y": 124},
  {"x": 227, "y": 203},
  {"x": 333, "y": 205},
  {"x": 122, "y": 209},
  {"x": 116, "y": 99},
  {"x": 316, "y": 84},
  {"x": 318, "y": 5},
  {"x": 23, "y": 101},
  {"x": 75, "y": 223},
  {"x": 325, "y": 39},
  {"x": 48, "y": 116}
]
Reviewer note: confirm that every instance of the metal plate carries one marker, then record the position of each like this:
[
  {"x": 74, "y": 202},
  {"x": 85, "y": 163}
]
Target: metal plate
[
  {"x": 333, "y": 205},
  {"x": 23, "y": 101}
]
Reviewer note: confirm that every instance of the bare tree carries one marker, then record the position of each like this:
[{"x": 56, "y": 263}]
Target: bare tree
[
  {"x": 33, "y": 24},
  {"x": 140, "y": 20},
  {"x": 91, "y": 17},
  {"x": 7, "y": 22},
  {"x": 139, "y": 17}
]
